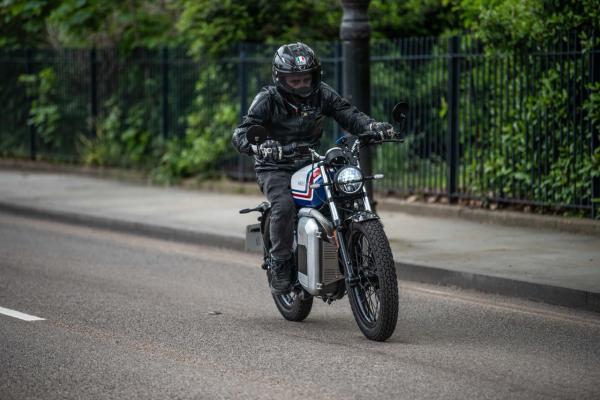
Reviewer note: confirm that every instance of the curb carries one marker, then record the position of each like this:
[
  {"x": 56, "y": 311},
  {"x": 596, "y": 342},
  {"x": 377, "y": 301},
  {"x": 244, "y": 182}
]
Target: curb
[
  {"x": 506, "y": 218},
  {"x": 566, "y": 297},
  {"x": 560, "y": 296},
  {"x": 130, "y": 227}
]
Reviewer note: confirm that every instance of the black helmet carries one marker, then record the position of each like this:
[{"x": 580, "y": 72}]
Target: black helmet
[{"x": 295, "y": 63}]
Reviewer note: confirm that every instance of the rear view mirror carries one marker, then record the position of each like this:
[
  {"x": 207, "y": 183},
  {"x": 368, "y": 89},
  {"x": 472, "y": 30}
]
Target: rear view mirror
[
  {"x": 256, "y": 134},
  {"x": 400, "y": 111}
]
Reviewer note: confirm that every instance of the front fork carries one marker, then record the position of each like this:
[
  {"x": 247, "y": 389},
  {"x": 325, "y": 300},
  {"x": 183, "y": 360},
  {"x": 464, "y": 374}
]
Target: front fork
[{"x": 351, "y": 278}]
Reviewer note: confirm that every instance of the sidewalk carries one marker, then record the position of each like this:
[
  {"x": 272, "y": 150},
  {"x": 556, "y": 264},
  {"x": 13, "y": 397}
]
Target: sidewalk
[{"x": 543, "y": 265}]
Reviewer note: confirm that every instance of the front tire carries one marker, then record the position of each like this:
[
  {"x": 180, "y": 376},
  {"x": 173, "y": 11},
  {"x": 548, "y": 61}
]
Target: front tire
[{"x": 374, "y": 299}]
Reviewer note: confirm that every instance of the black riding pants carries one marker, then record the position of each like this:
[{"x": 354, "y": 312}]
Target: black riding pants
[{"x": 275, "y": 185}]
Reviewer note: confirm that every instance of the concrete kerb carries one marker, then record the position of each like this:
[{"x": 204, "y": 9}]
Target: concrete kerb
[
  {"x": 506, "y": 218},
  {"x": 489, "y": 284},
  {"x": 130, "y": 227},
  {"x": 560, "y": 296}
]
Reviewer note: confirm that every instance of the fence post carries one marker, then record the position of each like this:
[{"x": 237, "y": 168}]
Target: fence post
[
  {"x": 594, "y": 79},
  {"x": 452, "y": 139},
  {"x": 243, "y": 93},
  {"x": 32, "y": 133},
  {"x": 164, "y": 68},
  {"x": 93, "y": 92}
]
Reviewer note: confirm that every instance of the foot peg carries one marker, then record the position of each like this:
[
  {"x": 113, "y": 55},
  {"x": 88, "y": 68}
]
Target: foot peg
[{"x": 262, "y": 207}]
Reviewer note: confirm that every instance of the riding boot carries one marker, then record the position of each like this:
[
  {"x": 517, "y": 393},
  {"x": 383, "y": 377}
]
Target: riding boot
[{"x": 280, "y": 275}]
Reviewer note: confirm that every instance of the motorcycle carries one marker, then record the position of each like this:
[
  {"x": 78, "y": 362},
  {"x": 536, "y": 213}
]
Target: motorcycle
[{"x": 340, "y": 246}]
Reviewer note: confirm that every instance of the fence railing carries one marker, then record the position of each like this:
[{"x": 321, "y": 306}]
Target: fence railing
[{"x": 514, "y": 127}]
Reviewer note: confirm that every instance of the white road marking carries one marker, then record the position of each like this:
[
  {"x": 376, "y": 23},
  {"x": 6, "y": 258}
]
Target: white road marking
[{"x": 20, "y": 315}]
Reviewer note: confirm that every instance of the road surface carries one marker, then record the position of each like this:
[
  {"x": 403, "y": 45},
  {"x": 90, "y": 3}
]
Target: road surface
[{"x": 123, "y": 316}]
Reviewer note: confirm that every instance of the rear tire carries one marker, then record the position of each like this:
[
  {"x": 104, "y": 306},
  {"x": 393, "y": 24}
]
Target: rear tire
[
  {"x": 374, "y": 300},
  {"x": 290, "y": 305}
]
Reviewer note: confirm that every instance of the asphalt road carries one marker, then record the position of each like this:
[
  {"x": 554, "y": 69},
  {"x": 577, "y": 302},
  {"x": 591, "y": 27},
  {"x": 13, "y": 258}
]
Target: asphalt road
[{"x": 132, "y": 317}]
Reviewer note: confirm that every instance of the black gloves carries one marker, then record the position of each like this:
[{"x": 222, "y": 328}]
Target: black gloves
[
  {"x": 270, "y": 150},
  {"x": 383, "y": 130}
]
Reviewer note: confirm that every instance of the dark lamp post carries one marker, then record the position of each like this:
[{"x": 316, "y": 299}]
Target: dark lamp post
[{"x": 355, "y": 32}]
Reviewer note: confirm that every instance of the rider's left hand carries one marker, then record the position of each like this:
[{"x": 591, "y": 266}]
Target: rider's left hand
[{"x": 383, "y": 129}]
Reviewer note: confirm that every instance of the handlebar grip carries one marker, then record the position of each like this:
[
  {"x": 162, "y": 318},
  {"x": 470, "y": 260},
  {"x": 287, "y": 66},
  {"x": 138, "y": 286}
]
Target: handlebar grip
[
  {"x": 368, "y": 135},
  {"x": 295, "y": 150},
  {"x": 289, "y": 149}
]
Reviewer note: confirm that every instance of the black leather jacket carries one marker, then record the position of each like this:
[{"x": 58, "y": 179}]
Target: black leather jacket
[{"x": 289, "y": 124}]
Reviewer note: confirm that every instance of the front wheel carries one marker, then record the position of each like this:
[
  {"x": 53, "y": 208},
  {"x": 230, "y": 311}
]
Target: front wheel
[{"x": 374, "y": 299}]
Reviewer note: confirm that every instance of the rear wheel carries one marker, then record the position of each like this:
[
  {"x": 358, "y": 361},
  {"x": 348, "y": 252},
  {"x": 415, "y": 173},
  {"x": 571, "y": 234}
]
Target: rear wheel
[
  {"x": 293, "y": 306},
  {"x": 374, "y": 299}
]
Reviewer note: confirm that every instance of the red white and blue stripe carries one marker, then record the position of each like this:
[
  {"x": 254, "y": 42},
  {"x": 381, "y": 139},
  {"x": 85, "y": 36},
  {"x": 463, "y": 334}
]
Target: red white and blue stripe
[{"x": 304, "y": 195}]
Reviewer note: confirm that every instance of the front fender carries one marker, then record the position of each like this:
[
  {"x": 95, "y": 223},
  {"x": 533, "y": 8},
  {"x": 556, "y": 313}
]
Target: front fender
[{"x": 363, "y": 216}]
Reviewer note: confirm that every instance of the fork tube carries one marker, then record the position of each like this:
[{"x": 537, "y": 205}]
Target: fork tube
[
  {"x": 334, "y": 212},
  {"x": 350, "y": 277},
  {"x": 366, "y": 201}
]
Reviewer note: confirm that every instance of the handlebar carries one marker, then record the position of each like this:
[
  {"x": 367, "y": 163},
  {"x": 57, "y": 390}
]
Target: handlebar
[{"x": 294, "y": 150}]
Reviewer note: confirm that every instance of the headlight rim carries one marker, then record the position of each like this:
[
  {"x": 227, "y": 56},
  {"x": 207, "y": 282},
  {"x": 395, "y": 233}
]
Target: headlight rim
[{"x": 339, "y": 185}]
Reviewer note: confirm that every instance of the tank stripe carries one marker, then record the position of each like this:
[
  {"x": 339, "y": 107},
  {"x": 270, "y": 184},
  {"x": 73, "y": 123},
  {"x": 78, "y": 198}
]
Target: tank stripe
[{"x": 308, "y": 193}]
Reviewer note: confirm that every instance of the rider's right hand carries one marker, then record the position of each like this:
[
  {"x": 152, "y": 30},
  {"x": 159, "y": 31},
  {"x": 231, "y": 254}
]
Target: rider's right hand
[{"x": 270, "y": 151}]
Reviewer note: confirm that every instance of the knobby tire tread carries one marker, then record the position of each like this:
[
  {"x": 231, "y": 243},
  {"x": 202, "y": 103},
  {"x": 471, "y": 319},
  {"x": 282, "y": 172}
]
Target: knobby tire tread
[
  {"x": 388, "y": 283},
  {"x": 297, "y": 312}
]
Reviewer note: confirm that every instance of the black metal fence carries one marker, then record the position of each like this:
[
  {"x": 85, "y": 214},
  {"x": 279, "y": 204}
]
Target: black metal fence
[{"x": 515, "y": 127}]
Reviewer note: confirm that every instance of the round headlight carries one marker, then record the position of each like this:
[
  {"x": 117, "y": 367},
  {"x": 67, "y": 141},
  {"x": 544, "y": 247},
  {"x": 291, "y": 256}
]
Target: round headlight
[{"x": 345, "y": 178}]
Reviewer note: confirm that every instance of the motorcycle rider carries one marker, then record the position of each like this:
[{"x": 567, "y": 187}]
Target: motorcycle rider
[{"x": 293, "y": 111}]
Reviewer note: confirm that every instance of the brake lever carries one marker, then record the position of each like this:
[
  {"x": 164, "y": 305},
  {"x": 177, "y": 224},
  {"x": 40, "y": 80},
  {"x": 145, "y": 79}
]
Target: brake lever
[{"x": 393, "y": 140}]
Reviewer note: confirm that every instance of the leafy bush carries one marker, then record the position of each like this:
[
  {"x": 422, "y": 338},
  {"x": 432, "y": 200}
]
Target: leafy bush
[
  {"x": 209, "y": 127},
  {"x": 122, "y": 140}
]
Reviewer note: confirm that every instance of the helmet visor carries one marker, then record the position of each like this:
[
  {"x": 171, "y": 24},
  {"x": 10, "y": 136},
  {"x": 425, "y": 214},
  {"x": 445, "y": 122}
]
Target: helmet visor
[
  {"x": 298, "y": 81},
  {"x": 302, "y": 83}
]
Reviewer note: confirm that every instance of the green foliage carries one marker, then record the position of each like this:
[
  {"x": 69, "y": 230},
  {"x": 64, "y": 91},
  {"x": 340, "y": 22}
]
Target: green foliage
[
  {"x": 23, "y": 22},
  {"x": 538, "y": 152},
  {"x": 124, "y": 24},
  {"x": 527, "y": 24},
  {"x": 206, "y": 26},
  {"x": 395, "y": 19},
  {"x": 209, "y": 126},
  {"x": 44, "y": 113},
  {"x": 122, "y": 139},
  {"x": 211, "y": 27},
  {"x": 592, "y": 107}
]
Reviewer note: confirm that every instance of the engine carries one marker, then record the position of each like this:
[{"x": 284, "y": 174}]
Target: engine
[{"x": 318, "y": 265}]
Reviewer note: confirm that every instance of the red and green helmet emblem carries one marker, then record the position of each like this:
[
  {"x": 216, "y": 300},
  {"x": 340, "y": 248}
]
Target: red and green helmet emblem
[{"x": 300, "y": 60}]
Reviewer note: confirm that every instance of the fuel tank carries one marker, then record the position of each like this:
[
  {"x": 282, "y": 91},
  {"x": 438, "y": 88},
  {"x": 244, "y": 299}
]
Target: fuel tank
[{"x": 303, "y": 194}]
